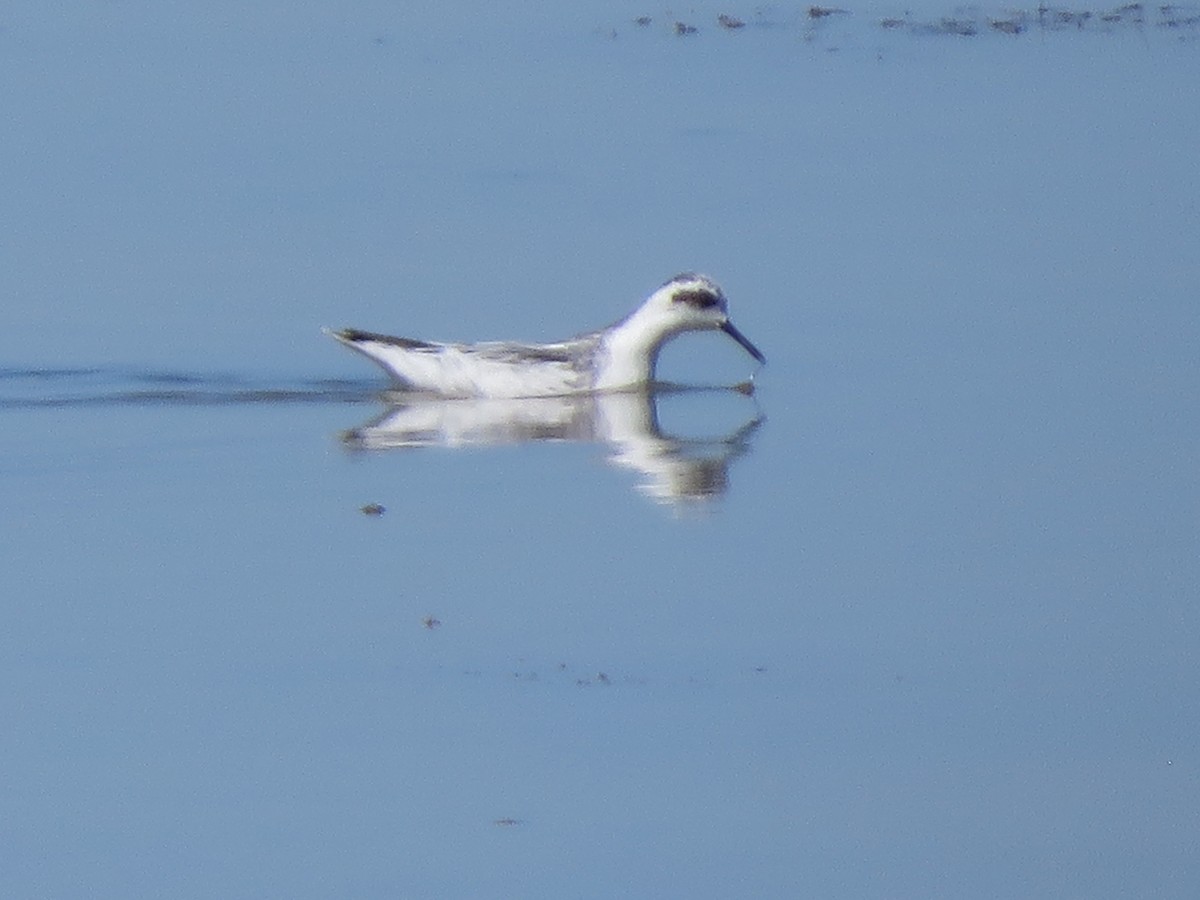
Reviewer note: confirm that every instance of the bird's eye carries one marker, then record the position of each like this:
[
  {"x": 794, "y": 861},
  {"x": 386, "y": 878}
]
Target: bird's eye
[{"x": 700, "y": 298}]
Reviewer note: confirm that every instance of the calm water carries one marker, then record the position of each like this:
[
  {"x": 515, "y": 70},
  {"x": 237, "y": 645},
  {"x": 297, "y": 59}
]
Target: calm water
[{"x": 918, "y": 618}]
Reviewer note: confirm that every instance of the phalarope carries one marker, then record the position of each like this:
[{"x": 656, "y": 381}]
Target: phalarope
[{"x": 619, "y": 357}]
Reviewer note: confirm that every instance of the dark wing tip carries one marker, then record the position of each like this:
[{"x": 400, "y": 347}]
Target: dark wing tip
[{"x": 356, "y": 336}]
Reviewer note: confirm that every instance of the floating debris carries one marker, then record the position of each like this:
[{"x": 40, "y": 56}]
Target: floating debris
[
  {"x": 1178, "y": 17},
  {"x": 373, "y": 509},
  {"x": 961, "y": 27},
  {"x": 430, "y": 622},
  {"x": 507, "y": 822},
  {"x": 1133, "y": 12},
  {"x": 598, "y": 678},
  {"x": 972, "y": 21},
  {"x": 1068, "y": 17},
  {"x": 1007, "y": 26}
]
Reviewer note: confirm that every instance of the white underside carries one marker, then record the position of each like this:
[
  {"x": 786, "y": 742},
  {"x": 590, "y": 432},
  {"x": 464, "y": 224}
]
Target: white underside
[{"x": 453, "y": 371}]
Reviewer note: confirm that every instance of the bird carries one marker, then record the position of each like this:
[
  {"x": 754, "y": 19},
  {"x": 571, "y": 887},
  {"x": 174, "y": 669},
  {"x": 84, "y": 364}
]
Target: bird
[{"x": 620, "y": 357}]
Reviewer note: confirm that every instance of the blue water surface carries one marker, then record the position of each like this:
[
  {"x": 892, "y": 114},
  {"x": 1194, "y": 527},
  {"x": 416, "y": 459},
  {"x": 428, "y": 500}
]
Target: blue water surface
[{"x": 917, "y": 617}]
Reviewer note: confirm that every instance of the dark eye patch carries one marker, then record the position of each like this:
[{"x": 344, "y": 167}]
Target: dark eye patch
[{"x": 699, "y": 298}]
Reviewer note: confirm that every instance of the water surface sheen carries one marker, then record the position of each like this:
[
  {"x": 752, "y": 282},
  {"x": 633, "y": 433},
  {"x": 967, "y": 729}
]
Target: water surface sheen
[{"x": 917, "y": 618}]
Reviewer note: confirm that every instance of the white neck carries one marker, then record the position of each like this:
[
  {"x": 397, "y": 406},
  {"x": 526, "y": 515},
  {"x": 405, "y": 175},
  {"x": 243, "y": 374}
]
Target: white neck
[{"x": 629, "y": 352}]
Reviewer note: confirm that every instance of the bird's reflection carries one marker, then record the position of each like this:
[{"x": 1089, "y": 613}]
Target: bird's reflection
[{"x": 673, "y": 469}]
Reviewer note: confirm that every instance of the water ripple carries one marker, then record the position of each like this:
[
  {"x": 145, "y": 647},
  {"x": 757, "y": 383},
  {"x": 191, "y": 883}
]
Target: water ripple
[{"x": 55, "y": 388}]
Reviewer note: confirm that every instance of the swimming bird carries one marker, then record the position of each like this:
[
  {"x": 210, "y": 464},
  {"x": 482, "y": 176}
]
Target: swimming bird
[{"x": 620, "y": 357}]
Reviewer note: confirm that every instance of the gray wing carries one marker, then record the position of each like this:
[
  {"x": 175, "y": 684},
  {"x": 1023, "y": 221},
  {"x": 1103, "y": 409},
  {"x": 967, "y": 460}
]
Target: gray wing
[{"x": 517, "y": 353}]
